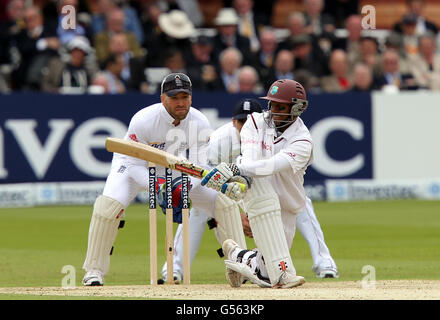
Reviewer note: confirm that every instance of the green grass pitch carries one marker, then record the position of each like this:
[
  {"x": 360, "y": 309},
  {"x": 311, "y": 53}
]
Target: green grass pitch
[{"x": 400, "y": 239}]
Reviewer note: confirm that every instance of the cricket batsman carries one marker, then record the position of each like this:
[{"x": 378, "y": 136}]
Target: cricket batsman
[
  {"x": 276, "y": 149},
  {"x": 225, "y": 146}
]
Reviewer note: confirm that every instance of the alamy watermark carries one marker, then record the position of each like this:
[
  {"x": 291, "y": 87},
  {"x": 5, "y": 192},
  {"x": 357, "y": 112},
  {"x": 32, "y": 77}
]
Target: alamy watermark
[
  {"x": 69, "y": 20},
  {"x": 69, "y": 280},
  {"x": 368, "y": 17},
  {"x": 369, "y": 281}
]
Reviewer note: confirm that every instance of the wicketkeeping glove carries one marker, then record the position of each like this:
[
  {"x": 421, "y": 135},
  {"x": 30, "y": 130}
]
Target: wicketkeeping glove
[{"x": 176, "y": 189}]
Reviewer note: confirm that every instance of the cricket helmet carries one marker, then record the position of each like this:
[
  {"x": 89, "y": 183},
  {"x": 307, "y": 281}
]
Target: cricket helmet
[{"x": 290, "y": 92}]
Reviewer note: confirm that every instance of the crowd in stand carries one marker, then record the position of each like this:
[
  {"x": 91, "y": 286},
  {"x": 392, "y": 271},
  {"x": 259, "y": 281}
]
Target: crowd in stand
[{"x": 119, "y": 46}]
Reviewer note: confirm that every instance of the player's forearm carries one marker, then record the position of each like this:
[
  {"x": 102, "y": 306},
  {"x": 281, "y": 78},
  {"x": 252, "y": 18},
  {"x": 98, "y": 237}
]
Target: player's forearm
[{"x": 266, "y": 167}]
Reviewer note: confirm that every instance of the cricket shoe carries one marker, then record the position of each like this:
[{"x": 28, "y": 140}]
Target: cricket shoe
[
  {"x": 177, "y": 278},
  {"x": 327, "y": 273},
  {"x": 326, "y": 270},
  {"x": 93, "y": 278},
  {"x": 235, "y": 279},
  {"x": 289, "y": 280},
  {"x": 237, "y": 271}
]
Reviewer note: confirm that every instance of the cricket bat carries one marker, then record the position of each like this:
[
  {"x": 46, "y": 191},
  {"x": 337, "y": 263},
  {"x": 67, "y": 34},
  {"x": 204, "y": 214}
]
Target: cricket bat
[{"x": 159, "y": 157}]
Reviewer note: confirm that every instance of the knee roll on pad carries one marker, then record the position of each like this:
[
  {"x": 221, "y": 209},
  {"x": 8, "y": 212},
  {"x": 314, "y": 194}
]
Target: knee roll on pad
[
  {"x": 107, "y": 208},
  {"x": 103, "y": 229},
  {"x": 262, "y": 205}
]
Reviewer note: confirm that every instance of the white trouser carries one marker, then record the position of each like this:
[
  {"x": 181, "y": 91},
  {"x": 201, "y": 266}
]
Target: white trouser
[
  {"x": 305, "y": 221},
  {"x": 123, "y": 184},
  {"x": 309, "y": 227}
]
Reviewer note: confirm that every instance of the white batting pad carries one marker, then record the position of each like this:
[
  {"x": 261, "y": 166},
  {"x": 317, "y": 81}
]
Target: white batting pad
[
  {"x": 229, "y": 226},
  {"x": 264, "y": 213},
  {"x": 102, "y": 233}
]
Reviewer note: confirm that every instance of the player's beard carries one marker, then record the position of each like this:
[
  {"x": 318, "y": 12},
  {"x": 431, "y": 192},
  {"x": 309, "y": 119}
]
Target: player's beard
[
  {"x": 180, "y": 113},
  {"x": 177, "y": 112}
]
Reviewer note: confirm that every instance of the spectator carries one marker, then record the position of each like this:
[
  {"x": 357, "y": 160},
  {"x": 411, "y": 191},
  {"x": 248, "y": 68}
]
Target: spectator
[
  {"x": 248, "y": 80},
  {"x": 392, "y": 76},
  {"x": 282, "y": 68},
  {"x": 340, "y": 10},
  {"x": 71, "y": 76},
  {"x": 226, "y": 22},
  {"x": 369, "y": 54},
  {"x": 310, "y": 82},
  {"x": 115, "y": 24},
  {"x": 394, "y": 41},
  {"x": 338, "y": 80},
  {"x": 248, "y": 22},
  {"x": 174, "y": 61},
  {"x": 296, "y": 26},
  {"x": 261, "y": 9},
  {"x": 132, "y": 74},
  {"x": 190, "y": 7},
  {"x": 176, "y": 32},
  {"x": 200, "y": 68},
  {"x": 230, "y": 60},
  {"x": 100, "y": 84},
  {"x": 150, "y": 22},
  {"x": 201, "y": 50},
  {"x": 9, "y": 28},
  {"x": 409, "y": 33},
  {"x": 362, "y": 78},
  {"x": 425, "y": 66},
  {"x": 36, "y": 45},
  {"x": 132, "y": 22},
  {"x": 265, "y": 57},
  {"x": 308, "y": 57},
  {"x": 416, "y": 7},
  {"x": 113, "y": 66},
  {"x": 352, "y": 43},
  {"x": 317, "y": 22}
]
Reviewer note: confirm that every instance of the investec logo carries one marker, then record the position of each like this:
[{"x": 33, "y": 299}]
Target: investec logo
[
  {"x": 168, "y": 183},
  {"x": 152, "y": 188},
  {"x": 185, "y": 192}
]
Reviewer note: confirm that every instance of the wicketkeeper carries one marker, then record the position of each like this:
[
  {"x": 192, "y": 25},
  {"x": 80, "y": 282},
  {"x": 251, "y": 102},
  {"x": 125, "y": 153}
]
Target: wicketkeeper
[{"x": 171, "y": 125}]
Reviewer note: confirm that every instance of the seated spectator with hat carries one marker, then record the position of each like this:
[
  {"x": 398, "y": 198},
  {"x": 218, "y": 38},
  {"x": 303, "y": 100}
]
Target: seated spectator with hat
[
  {"x": 71, "y": 76},
  {"x": 308, "y": 56},
  {"x": 176, "y": 32},
  {"x": 408, "y": 29},
  {"x": 227, "y": 36}
]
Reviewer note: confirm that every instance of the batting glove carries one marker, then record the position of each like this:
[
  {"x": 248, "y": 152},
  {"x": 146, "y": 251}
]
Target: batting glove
[
  {"x": 217, "y": 177},
  {"x": 233, "y": 190}
]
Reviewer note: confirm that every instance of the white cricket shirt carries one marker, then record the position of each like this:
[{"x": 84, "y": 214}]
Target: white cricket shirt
[
  {"x": 154, "y": 126},
  {"x": 224, "y": 145},
  {"x": 259, "y": 142}
]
